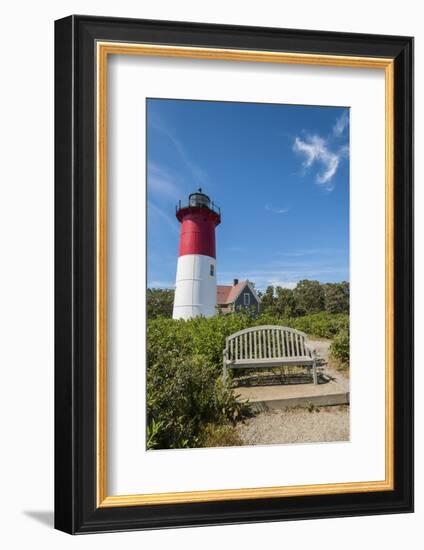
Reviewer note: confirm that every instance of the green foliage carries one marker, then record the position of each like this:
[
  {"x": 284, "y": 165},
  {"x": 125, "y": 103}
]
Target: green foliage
[
  {"x": 267, "y": 299},
  {"x": 184, "y": 396},
  {"x": 168, "y": 339},
  {"x": 221, "y": 435},
  {"x": 320, "y": 325},
  {"x": 337, "y": 297},
  {"x": 310, "y": 296},
  {"x": 153, "y": 431},
  {"x": 340, "y": 348},
  {"x": 286, "y": 304},
  {"x": 160, "y": 302}
]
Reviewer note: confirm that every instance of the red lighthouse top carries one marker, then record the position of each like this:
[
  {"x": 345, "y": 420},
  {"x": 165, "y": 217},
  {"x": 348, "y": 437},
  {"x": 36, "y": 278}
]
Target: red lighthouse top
[{"x": 198, "y": 221}]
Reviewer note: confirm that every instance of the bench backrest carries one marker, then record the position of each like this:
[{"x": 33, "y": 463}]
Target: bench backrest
[{"x": 266, "y": 342}]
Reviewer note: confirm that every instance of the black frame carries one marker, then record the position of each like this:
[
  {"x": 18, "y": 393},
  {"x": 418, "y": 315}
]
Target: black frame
[{"x": 75, "y": 275}]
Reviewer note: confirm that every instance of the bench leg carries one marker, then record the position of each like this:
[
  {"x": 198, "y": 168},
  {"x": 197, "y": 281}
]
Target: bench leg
[
  {"x": 314, "y": 372},
  {"x": 224, "y": 374}
]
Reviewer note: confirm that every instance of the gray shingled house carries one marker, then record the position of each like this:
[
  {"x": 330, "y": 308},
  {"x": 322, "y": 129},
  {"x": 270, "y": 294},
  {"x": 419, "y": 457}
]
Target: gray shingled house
[{"x": 240, "y": 295}]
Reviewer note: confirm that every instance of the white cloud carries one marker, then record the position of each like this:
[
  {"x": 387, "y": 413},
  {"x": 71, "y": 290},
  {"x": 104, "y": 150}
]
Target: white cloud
[
  {"x": 161, "y": 216},
  {"x": 344, "y": 150},
  {"x": 161, "y": 284},
  {"x": 276, "y": 210},
  {"x": 322, "y": 151},
  {"x": 160, "y": 182},
  {"x": 341, "y": 124},
  {"x": 287, "y": 276},
  {"x": 315, "y": 150},
  {"x": 283, "y": 284},
  {"x": 309, "y": 252}
]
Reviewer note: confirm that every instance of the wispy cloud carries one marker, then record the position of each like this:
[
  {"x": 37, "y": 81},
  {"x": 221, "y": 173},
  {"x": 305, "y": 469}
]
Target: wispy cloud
[
  {"x": 161, "y": 216},
  {"x": 309, "y": 252},
  {"x": 161, "y": 182},
  {"x": 341, "y": 124},
  {"x": 315, "y": 150},
  {"x": 276, "y": 210},
  {"x": 287, "y": 276},
  {"x": 324, "y": 152},
  {"x": 283, "y": 284},
  {"x": 198, "y": 174},
  {"x": 161, "y": 284}
]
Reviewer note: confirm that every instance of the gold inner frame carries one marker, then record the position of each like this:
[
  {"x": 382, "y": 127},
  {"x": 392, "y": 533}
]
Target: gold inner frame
[{"x": 104, "y": 49}]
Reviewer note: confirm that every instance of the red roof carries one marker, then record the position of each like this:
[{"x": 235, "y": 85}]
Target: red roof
[{"x": 226, "y": 294}]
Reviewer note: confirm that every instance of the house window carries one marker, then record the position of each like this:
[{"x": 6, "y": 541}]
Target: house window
[
  {"x": 246, "y": 297},
  {"x": 212, "y": 270}
]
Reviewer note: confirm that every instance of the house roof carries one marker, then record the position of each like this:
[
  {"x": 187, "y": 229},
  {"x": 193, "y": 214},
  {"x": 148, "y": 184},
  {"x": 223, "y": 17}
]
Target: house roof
[
  {"x": 222, "y": 293},
  {"x": 227, "y": 294}
]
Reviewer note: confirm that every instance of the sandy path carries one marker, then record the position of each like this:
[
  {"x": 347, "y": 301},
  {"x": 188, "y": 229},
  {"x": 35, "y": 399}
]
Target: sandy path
[
  {"x": 322, "y": 348},
  {"x": 296, "y": 426}
]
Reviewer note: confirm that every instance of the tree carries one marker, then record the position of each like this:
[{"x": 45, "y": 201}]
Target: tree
[
  {"x": 337, "y": 297},
  {"x": 285, "y": 302},
  {"x": 160, "y": 302},
  {"x": 310, "y": 296},
  {"x": 268, "y": 300}
]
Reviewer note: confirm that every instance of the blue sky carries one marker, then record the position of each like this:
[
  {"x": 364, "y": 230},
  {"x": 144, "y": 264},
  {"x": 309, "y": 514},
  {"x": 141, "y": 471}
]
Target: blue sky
[{"x": 280, "y": 174}]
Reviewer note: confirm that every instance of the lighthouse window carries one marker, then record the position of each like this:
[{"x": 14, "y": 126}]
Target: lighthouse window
[
  {"x": 212, "y": 270},
  {"x": 246, "y": 297}
]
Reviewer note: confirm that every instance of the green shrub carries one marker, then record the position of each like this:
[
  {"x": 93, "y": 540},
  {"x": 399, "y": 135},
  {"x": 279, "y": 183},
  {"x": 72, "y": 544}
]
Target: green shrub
[
  {"x": 184, "y": 395},
  {"x": 169, "y": 338},
  {"x": 159, "y": 302},
  {"x": 223, "y": 435},
  {"x": 321, "y": 325},
  {"x": 340, "y": 348}
]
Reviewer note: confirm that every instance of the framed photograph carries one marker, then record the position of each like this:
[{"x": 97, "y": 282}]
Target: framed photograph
[{"x": 234, "y": 274}]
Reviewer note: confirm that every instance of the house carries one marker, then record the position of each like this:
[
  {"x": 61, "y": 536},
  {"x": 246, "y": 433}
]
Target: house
[{"x": 239, "y": 295}]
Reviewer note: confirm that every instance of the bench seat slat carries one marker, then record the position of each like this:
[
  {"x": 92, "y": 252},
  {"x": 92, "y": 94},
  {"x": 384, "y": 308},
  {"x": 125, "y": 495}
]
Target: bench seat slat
[{"x": 268, "y": 362}]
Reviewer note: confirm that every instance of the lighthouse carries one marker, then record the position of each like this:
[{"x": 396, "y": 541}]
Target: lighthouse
[{"x": 195, "y": 287}]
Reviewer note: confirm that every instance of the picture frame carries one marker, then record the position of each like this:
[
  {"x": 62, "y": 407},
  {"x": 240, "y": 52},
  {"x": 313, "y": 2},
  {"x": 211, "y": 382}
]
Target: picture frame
[{"x": 83, "y": 45}]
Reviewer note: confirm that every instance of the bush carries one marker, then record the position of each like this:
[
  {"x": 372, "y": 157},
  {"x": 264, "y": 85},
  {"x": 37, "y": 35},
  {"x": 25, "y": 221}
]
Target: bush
[
  {"x": 220, "y": 436},
  {"x": 159, "y": 302},
  {"x": 184, "y": 395},
  {"x": 169, "y": 338},
  {"x": 321, "y": 325},
  {"x": 340, "y": 348}
]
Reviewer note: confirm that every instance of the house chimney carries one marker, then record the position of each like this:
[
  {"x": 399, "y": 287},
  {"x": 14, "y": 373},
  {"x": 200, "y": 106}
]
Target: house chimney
[{"x": 235, "y": 282}]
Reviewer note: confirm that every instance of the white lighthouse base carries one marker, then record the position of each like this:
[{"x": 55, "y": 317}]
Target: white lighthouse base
[{"x": 195, "y": 289}]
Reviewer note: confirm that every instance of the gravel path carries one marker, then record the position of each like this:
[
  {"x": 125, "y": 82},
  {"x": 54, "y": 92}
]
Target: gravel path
[{"x": 297, "y": 425}]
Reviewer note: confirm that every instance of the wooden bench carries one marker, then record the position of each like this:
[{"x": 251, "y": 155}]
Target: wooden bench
[{"x": 268, "y": 346}]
